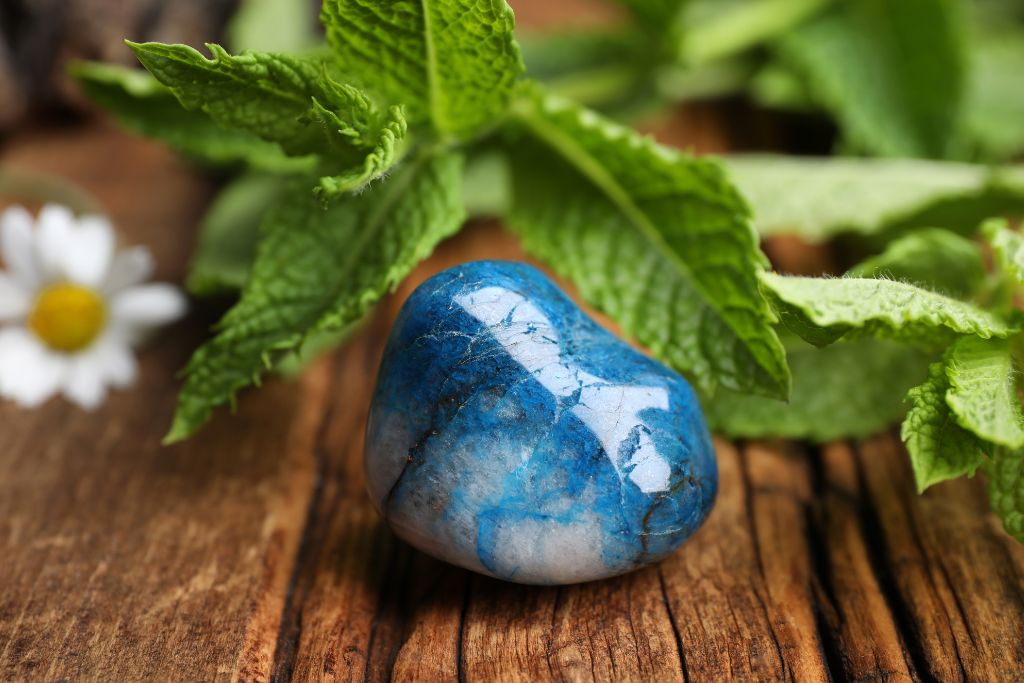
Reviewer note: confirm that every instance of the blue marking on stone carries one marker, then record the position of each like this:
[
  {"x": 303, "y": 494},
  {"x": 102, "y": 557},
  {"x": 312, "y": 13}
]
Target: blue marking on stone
[{"x": 512, "y": 435}]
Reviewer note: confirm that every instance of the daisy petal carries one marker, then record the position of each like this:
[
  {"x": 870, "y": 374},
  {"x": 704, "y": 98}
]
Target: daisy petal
[
  {"x": 83, "y": 383},
  {"x": 90, "y": 250},
  {"x": 29, "y": 373},
  {"x": 147, "y": 305},
  {"x": 129, "y": 268},
  {"x": 18, "y": 247},
  {"x": 54, "y": 240},
  {"x": 14, "y": 299},
  {"x": 116, "y": 361}
]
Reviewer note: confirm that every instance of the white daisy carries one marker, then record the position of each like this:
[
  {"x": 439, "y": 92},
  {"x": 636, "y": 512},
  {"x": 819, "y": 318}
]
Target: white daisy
[{"x": 71, "y": 308}]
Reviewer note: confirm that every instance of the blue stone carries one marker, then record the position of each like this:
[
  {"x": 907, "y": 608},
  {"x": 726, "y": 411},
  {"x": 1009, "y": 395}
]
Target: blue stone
[{"x": 512, "y": 435}]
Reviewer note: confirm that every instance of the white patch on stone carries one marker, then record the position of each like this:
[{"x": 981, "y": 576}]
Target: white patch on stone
[
  {"x": 388, "y": 457},
  {"x": 528, "y": 336},
  {"x": 548, "y": 551}
]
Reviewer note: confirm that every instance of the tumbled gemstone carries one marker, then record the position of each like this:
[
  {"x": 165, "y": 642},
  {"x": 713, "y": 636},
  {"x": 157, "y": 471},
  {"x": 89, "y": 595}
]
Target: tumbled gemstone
[{"x": 512, "y": 435}]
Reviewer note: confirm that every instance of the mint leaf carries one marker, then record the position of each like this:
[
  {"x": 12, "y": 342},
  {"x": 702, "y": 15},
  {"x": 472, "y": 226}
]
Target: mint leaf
[
  {"x": 609, "y": 68},
  {"x": 715, "y": 30},
  {"x": 451, "y": 62},
  {"x": 487, "y": 184},
  {"x": 932, "y": 258},
  {"x": 266, "y": 94},
  {"x": 995, "y": 103},
  {"x": 1008, "y": 248},
  {"x": 229, "y": 233},
  {"x": 288, "y": 100},
  {"x": 820, "y": 198},
  {"x": 939, "y": 448},
  {"x": 847, "y": 390},
  {"x": 821, "y": 310},
  {"x": 1006, "y": 490},
  {"x": 657, "y": 239},
  {"x": 317, "y": 270},
  {"x": 993, "y": 106},
  {"x": 777, "y": 86},
  {"x": 894, "y": 74},
  {"x": 982, "y": 392},
  {"x": 658, "y": 14},
  {"x": 272, "y": 26},
  {"x": 143, "y": 105}
]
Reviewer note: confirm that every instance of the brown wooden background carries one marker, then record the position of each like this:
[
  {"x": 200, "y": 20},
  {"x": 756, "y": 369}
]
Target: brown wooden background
[{"x": 251, "y": 552}]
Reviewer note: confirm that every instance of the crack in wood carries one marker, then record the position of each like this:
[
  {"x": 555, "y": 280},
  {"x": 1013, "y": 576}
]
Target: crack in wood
[
  {"x": 675, "y": 626},
  {"x": 290, "y": 629},
  {"x": 881, "y": 562}
]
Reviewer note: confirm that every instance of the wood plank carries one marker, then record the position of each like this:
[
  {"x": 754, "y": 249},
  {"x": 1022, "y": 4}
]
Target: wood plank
[
  {"x": 956, "y": 582},
  {"x": 252, "y": 551},
  {"x": 865, "y": 636},
  {"x": 122, "y": 559}
]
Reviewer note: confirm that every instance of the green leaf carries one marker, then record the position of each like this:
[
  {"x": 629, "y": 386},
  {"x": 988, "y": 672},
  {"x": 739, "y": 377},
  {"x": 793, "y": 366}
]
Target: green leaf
[
  {"x": 777, "y": 86},
  {"x": 1006, "y": 490},
  {"x": 362, "y": 143},
  {"x": 288, "y": 100},
  {"x": 932, "y": 258},
  {"x": 452, "y": 62},
  {"x": 847, "y": 390},
  {"x": 894, "y": 74},
  {"x": 658, "y": 14},
  {"x": 272, "y": 26},
  {"x": 487, "y": 184},
  {"x": 820, "y": 198},
  {"x": 266, "y": 94},
  {"x": 612, "y": 69},
  {"x": 995, "y": 103},
  {"x": 229, "y": 233},
  {"x": 142, "y": 104},
  {"x": 1008, "y": 247},
  {"x": 656, "y": 238},
  {"x": 982, "y": 392},
  {"x": 821, "y": 310},
  {"x": 715, "y": 30},
  {"x": 939, "y": 448},
  {"x": 319, "y": 269}
]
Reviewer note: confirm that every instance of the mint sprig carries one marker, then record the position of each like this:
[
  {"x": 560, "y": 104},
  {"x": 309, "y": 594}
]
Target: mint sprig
[{"x": 381, "y": 124}]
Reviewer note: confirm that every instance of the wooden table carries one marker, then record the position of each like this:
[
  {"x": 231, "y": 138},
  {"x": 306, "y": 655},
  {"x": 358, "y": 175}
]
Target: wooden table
[{"x": 252, "y": 551}]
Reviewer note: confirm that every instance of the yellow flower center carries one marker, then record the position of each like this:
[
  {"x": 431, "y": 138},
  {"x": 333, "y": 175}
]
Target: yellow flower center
[{"x": 67, "y": 317}]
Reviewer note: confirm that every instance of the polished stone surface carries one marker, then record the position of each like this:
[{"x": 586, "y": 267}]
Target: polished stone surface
[{"x": 512, "y": 435}]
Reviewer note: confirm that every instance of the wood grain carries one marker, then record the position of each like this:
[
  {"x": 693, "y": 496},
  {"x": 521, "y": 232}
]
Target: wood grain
[{"x": 252, "y": 553}]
